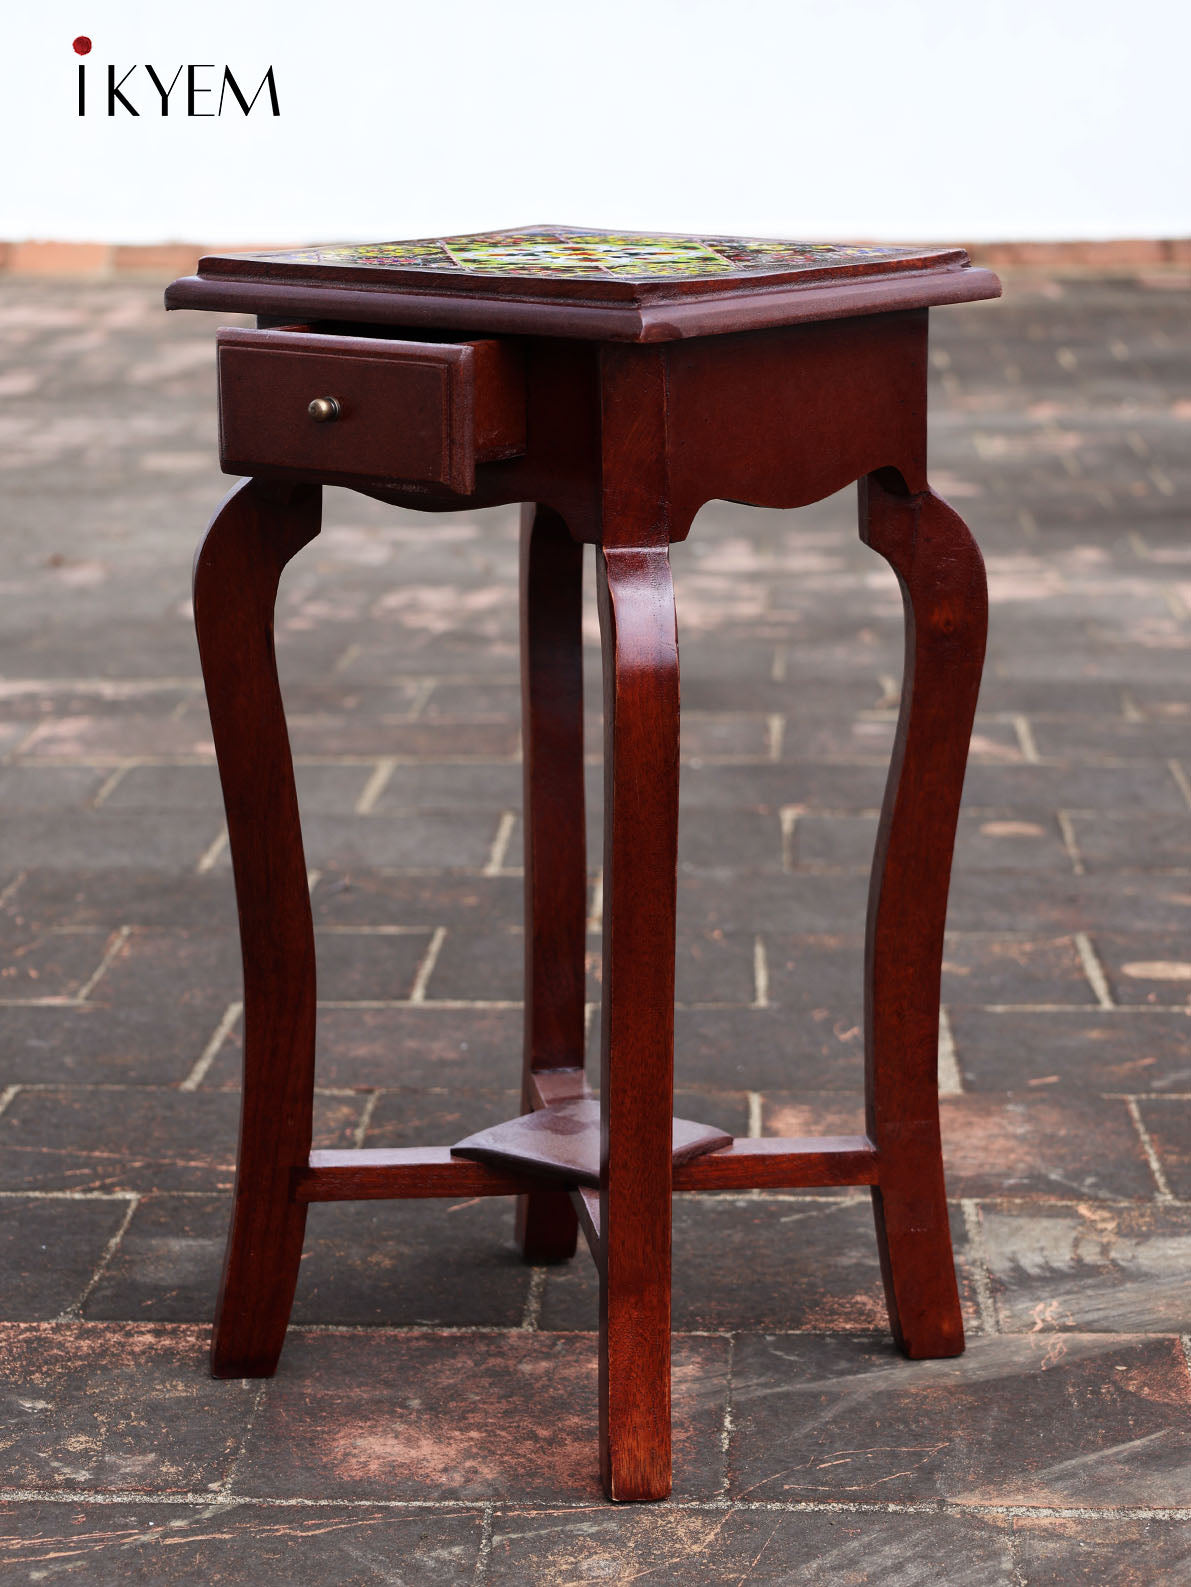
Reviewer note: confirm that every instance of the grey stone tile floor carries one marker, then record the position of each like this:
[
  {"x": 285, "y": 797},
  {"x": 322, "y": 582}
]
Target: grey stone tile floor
[{"x": 433, "y": 1420}]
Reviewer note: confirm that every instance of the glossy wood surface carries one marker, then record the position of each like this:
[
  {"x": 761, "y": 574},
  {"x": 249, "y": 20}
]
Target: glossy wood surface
[
  {"x": 774, "y": 1162},
  {"x": 941, "y": 573},
  {"x": 771, "y": 1163},
  {"x": 778, "y": 420},
  {"x": 426, "y": 411},
  {"x": 839, "y": 401},
  {"x": 237, "y": 568},
  {"x": 555, "y": 843},
  {"x": 637, "y": 622},
  {"x": 562, "y": 1142},
  {"x": 390, "y": 1173},
  {"x": 624, "y": 441},
  {"x": 656, "y": 308}
]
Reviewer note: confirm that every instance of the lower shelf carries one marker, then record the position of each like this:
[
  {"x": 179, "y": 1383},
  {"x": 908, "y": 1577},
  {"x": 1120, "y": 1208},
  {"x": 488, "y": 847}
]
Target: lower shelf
[
  {"x": 561, "y": 1141},
  {"x": 771, "y": 1163}
]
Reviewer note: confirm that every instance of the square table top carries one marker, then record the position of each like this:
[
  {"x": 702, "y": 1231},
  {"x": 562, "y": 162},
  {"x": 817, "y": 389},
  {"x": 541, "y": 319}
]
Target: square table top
[{"x": 573, "y": 281}]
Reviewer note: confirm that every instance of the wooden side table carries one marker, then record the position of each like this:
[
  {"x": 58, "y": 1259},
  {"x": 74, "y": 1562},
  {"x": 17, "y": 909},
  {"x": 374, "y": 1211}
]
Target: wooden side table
[{"x": 616, "y": 383}]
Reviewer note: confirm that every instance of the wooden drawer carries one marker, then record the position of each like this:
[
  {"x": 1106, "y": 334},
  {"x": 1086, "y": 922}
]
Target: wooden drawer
[{"x": 420, "y": 411}]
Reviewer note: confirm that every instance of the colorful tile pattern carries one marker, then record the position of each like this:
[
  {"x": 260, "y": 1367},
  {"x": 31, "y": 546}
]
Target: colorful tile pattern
[{"x": 623, "y": 256}]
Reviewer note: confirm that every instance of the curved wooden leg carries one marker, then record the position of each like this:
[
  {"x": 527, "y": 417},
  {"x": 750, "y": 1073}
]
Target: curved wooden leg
[
  {"x": 637, "y": 622},
  {"x": 555, "y": 838},
  {"x": 941, "y": 573},
  {"x": 237, "y": 567}
]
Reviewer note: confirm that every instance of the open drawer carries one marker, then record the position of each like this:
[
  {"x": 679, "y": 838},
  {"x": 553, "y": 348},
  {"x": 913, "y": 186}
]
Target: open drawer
[{"x": 297, "y": 401}]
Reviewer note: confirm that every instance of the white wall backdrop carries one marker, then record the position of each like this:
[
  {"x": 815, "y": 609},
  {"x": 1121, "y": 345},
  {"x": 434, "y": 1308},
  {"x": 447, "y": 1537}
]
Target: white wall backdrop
[{"x": 927, "y": 119}]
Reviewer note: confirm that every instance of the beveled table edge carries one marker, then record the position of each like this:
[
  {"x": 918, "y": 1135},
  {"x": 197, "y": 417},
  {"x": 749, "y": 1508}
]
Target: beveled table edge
[{"x": 745, "y": 309}]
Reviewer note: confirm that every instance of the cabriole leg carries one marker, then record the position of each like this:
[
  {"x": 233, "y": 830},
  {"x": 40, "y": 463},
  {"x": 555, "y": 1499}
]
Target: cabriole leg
[
  {"x": 941, "y": 573},
  {"x": 237, "y": 567}
]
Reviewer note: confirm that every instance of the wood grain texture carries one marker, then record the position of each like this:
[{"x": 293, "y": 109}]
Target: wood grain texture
[
  {"x": 391, "y": 1173},
  {"x": 941, "y": 573},
  {"x": 777, "y": 1163},
  {"x": 788, "y": 418},
  {"x": 383, "y": 1173},
  {"x": 778, "y": 420},
  {"x": 409, "y": 410},
  {"x": 777, "y": 396},
  {"x": 640, "y": 647},
  {"x": 505, "y": 313},
  {"x": 555, "y": 826},
  {"x": 237, "y": 567},
  {"x": 562, "y": 1142}
]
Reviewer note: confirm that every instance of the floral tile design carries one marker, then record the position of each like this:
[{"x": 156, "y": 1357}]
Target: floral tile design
[{"x": 625, "y": 256}]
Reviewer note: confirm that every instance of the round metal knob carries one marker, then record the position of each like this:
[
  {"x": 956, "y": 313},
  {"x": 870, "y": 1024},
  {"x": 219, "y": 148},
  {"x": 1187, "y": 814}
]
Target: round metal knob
[{"x": 323, "y": 410}]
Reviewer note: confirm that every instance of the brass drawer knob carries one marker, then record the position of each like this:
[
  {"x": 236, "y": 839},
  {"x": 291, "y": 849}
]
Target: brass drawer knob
[{"x": 324, "y": 410}]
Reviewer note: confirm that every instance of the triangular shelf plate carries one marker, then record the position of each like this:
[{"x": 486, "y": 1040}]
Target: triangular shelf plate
[{"x": 562, "y": 1142}]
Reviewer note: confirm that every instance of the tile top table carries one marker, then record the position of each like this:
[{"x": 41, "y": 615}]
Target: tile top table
[
  {"x": 618, "y": 286},
  {"x": 612, "y": 383}
]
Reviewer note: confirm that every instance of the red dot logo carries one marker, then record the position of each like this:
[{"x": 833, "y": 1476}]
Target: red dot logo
[{"x": 82, "y": 45}]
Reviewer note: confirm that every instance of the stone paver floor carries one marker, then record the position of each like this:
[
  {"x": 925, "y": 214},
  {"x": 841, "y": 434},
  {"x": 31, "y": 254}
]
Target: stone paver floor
[{"x": 434, "y": 1416}]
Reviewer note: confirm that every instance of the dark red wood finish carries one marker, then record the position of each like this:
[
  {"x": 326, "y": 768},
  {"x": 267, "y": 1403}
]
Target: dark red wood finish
[
  {"x": 941, "y": 573},
  {"x": 254, "y": 534},
  {"x": 555, "y": 824},
  {"x": 659, "y": 308},
  {"x": 563, "y": 1142},
  {"x": 421, "y": 410},
  {"x": 771, "y": 1163},
  {"x": 636, "y": 600},
  {"x": 674, "y": 403}
]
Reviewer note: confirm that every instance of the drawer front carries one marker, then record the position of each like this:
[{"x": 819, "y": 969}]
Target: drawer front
[{"x": 407, "y": 411}]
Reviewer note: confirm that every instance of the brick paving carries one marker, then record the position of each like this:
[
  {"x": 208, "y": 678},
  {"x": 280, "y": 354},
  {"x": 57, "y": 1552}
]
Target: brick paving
[{"x": 433, "y": 1420}]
